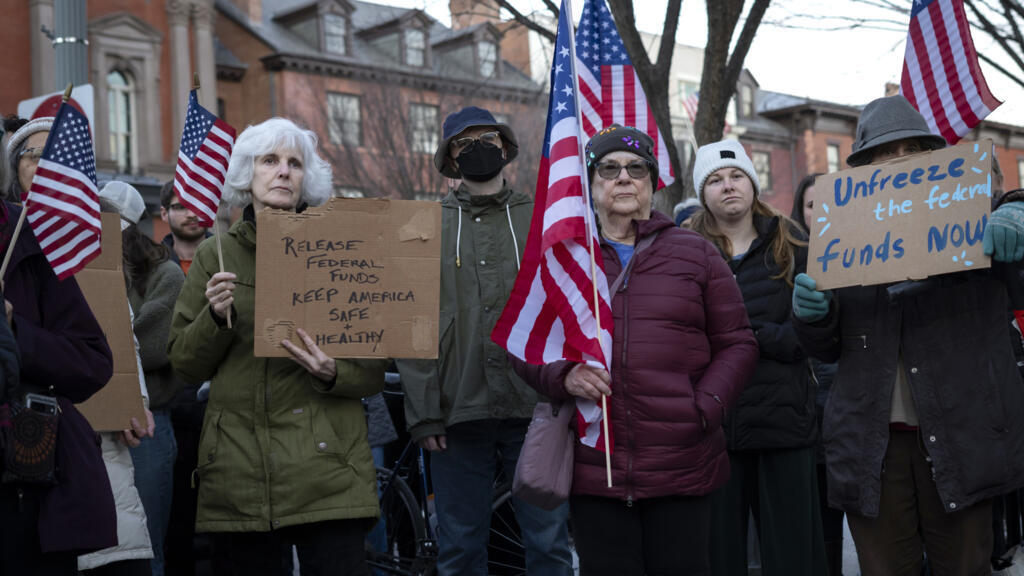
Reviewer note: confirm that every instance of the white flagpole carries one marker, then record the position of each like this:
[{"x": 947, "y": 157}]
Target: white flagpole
[{"x": 589, "y": 214}]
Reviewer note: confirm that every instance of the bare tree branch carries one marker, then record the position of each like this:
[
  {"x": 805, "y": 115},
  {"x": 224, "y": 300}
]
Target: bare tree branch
[
  {"x": 526, "y": 21},
  {"x": 991, "y": 30},
  {"x": 1005, "y": 72}
]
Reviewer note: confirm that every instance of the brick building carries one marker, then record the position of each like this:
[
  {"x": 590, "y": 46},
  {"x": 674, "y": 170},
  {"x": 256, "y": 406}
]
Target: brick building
[{"x": 373, "y": 81}]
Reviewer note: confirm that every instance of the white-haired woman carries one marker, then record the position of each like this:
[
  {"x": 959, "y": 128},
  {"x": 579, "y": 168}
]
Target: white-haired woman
[{"x": 283, "y": 456}]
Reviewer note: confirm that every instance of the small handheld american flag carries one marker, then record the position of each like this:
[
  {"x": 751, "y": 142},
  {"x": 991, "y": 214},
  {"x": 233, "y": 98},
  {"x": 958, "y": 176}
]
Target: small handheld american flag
[
  {"x": 203, "y": 157},
  {"x": 63, "y": 204}
]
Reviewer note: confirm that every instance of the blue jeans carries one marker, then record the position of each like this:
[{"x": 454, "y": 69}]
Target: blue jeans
[
  {"x": 463, "y": 479},
  {"x": 154, "y": 479}
]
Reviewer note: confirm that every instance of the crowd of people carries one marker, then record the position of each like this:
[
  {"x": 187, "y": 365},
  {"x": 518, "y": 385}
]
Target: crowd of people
[{"x": 738, "y": 389}]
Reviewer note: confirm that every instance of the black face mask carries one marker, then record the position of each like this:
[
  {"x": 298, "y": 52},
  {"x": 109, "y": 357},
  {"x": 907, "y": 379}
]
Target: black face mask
[{"x": 480, "y": 163}]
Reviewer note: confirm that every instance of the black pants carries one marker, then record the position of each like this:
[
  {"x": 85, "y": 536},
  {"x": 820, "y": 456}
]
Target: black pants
[
  {"x": 180, "y": 542},
  {"x": 20, "y": 554},
  {"x": 780, "y": 489},
  {"x": 656, "y": 536},
  {"x": 334, "y": 548}
]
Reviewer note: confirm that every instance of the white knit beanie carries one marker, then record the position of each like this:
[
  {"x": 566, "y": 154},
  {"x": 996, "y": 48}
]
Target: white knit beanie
[
  {"x": 42, "y": 124},
  {"x": 725, "y": 154}
]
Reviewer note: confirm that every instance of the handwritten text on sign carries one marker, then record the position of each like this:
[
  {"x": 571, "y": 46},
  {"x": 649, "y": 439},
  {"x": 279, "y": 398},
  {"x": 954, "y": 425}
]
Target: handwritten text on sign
[
  {"x": 902, "y": 220},
  {"x": 359, "y": 276}
]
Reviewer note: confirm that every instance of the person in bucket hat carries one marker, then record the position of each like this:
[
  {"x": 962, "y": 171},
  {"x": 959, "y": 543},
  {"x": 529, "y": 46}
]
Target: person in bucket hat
[
  {"x": 919, "y": 434},
  {"x": 468, "y": 407}
]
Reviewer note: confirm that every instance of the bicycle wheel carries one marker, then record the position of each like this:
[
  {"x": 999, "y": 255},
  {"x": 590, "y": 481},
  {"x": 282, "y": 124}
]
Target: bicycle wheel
[
  {"x": 408, "y": 552},
  {"x": 506, "y": 555}
]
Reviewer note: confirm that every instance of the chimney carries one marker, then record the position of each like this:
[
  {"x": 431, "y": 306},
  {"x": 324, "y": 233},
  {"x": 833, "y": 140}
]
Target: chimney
[
  {"x": 891, "y": 89},
  {"x": 253, "y": 9},
  {"x": 466, "y": 13}
]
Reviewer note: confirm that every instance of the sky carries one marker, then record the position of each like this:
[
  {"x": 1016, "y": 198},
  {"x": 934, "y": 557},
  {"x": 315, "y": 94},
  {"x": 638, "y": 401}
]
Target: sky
[{"x": 843, "y": 66}]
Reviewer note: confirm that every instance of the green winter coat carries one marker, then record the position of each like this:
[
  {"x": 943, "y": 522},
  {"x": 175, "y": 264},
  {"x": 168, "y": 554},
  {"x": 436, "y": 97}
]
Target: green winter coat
[
  {"x": 471, "y": 379},
  {"x": 279, "y": 447}
]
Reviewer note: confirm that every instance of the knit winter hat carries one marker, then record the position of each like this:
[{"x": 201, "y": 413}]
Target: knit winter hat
[
  {"x": 126, "y": 199},
  {"x": 685, "y": 209},
  {"x": 42, "y": 124},
  {"x": 725, "y": 154},
  {"x": 616, "y": 138}
]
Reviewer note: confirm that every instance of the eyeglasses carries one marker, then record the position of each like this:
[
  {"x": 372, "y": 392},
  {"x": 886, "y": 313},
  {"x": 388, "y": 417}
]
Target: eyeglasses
[
  {"x": 611, "y": 170},
  {"x": 492, "y": 139},
  {"x": 32, "y": 154}
]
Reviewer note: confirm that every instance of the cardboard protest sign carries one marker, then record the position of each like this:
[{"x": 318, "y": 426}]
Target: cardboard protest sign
[
  {"x": 902, "y": 220},
  {"x": 360, "y": 276},
  {"x": 102, "y": 283}
]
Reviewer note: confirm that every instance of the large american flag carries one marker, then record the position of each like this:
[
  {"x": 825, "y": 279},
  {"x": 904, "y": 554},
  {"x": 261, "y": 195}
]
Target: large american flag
[
  {"x": 203, "y": 159},
  {"x": 550, "y": 313},
  {"x": 63, "y": 206},
  {"x": 610, "y": 90},
  {"x": 941, "y": 74}
]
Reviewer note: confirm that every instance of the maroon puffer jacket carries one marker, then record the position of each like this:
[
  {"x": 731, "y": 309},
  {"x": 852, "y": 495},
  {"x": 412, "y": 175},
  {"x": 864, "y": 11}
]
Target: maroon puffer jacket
[{"x": 682, "y": 350}]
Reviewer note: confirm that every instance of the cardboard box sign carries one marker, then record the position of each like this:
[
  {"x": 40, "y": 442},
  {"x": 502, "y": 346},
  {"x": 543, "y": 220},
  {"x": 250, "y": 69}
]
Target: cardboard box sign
[
  {"x": 360, "y": 276},
  {"x": 102, "y": 283},
  {"x": 902, "y": 220}
]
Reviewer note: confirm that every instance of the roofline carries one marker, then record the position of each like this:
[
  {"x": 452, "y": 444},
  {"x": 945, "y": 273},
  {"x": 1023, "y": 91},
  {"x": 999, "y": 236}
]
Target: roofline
[
  {"x": 485, "y": 88},
  {"x": 814, "y": 106}
]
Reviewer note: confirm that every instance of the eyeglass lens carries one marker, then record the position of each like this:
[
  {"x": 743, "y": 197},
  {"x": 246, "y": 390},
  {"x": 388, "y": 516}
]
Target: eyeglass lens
[{"x": 611, "y": 170}]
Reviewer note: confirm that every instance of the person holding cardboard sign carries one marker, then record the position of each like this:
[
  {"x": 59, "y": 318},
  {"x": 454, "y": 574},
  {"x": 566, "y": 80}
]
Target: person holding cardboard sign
[
  {"x": 921, "y": 429},
  {"x": 772, "y": 430},
  {"x": 283, "y": 456}
]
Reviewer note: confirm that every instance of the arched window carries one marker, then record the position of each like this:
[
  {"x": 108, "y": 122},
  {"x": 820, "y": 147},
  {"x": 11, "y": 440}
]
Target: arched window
[{"x": 121, "y": 115}]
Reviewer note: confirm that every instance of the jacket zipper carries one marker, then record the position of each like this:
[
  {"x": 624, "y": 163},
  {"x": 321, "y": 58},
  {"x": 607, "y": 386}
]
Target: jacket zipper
[{"x": 622, "y": 371}]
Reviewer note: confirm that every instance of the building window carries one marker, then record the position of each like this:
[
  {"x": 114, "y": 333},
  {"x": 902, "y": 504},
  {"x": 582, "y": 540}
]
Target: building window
[
  {"x": 415, "y": 47},
  {"x": 746, "y": 101},
  {"x": 334, "y": 33},
  {"x": 832, "y": 157},
  {"x": 344, "y": 119},
  {"x": 763, "y": 166},
  {"x": 1020, "y": 172},
  {"x": 345, "y": 192},
  {"x": 121, "y": 115},
  {"x": 222, "y": 110},
  {"x": 487, "y": 52},
  {"x": 423, "y": 118}
]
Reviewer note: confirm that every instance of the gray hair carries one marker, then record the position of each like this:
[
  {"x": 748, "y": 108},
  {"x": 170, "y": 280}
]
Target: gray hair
[{"x": 265, "y": 138}]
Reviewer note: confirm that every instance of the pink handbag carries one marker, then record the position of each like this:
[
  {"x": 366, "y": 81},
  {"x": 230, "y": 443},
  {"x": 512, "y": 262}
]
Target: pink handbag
[{"x": 544, "y": 471}]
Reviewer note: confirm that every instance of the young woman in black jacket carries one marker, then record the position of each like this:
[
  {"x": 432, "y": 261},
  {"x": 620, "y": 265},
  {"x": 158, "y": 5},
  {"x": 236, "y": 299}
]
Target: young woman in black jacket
[{"x": 772, "y": 432}]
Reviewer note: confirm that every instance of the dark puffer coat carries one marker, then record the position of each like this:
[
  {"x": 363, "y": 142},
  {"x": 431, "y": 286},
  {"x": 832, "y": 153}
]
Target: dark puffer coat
[
  {"x": 682, "y": 350},
  {"x": 62, "y": 345},
  {"x": 776, "y": 408},
  {"x": 967, "y": 391}
]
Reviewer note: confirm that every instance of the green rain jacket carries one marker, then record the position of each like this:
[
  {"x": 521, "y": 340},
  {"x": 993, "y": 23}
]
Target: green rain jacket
[
  {"x": 471, "y": 379},
  {"x": 279, "y": 447}
]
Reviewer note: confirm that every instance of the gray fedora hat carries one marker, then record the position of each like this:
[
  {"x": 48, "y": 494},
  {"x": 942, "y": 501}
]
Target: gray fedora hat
[
  {"x": 456, "y": 123},
  {"x": 886, "y": 120}
]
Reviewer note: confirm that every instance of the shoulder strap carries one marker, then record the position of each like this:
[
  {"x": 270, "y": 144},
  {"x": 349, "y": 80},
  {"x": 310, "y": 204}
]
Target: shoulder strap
[{"x": 640, "y": 246}]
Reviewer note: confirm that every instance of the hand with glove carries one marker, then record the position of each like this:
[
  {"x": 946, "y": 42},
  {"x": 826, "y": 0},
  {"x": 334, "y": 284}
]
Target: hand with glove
[
  {"x": 809, "y": 304},
  {"x": 1004, "y": 234}
]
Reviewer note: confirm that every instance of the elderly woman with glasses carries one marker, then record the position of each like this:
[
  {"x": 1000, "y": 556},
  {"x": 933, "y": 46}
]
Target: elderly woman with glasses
[
  {"x": 283, "y": 456},
  {"x": 681, "y": 350},
  {"x": 24, "y": 148}
]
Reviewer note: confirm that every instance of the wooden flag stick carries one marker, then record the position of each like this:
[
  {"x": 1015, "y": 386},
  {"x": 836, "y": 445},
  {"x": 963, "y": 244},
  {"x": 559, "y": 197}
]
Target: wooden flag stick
[
  {"x": 216, "y": 228},
  {"x": 590, "y": 243},
  {"x": 24, "y": 212}
]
